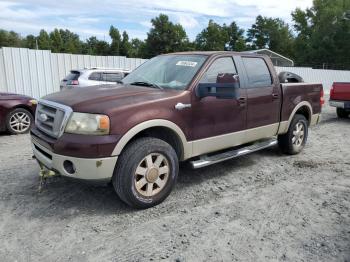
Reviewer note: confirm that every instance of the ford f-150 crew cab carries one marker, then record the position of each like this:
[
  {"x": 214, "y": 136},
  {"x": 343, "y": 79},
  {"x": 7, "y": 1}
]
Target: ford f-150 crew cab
[
  {"x": 204, "y": 107},
  {"x": 340, "y": 98}
]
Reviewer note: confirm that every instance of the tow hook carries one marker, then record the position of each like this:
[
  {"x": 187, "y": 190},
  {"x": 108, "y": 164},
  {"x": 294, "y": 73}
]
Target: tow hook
[{"x": 44, "y": 173}]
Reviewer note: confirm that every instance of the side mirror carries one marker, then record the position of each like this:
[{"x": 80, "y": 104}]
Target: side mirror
[{"x": 225, "y": 87}]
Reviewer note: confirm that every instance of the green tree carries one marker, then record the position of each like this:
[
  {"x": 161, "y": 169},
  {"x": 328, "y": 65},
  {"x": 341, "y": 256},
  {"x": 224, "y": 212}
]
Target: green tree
[
  {"x": 271, "y": 33},
  {"x": 212, "y": 38},
  {"x": 30, "y": 42},
  {"x": 71, "y": 42},
  {"x": 116, "y": 41},
  {"x": 165, "y": 37},
  {"x": 236, "y": 40},
  {"x": 137, "y": 48},
  {"x": 44, "y": 42},
  {"x": 10, "y": 38},
  {"x": 93, "y": 46},
  {"x": 125, "y": 46},
  {"x": 90, "y": 46},
  {"x": 57, "y": 44},
  {"x": 216, "y": 38},
  {"x": 323, "y": 34}
]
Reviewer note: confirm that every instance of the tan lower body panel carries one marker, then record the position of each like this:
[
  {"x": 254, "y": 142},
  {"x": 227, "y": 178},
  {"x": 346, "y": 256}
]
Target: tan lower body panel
[
  {"x": 315, "y": 119},
  {"x": 216, "y": 143}
]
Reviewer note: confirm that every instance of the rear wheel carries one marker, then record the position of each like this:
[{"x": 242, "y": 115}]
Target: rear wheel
[
  {"x": 294, "y": 140},
  {"x": 341, "y": 113},
  {"x": 19, "y": 121},
  {"x": 146, "y": 172}
]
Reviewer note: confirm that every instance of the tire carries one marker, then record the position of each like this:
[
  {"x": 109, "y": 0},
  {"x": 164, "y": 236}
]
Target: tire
[
  {"x": 19, "y": 121},
  {"x": 140, "y": 178},
  {"x": 341, "y": 113},
  {"x": 291, "y": 143}
]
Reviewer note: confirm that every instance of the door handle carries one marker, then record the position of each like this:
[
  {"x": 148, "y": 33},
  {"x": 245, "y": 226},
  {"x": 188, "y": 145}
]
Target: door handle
[
  {"x": 275, "y": 96},
  {"x": 180, "y": 106},
  {"x": 242, "y": 101}
]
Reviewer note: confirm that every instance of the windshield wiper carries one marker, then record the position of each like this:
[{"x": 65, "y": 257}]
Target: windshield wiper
[{"x": 143, "y": 83}]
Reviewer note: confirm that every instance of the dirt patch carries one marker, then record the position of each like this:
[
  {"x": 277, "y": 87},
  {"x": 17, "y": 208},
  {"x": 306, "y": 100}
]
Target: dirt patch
[
  {"x": 306, "y": 164},
  {"x": 261, "y": 207}
]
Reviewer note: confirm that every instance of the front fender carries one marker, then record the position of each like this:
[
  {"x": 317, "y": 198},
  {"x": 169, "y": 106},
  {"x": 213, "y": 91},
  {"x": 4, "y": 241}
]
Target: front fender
[{"x": 187, "y": 146}]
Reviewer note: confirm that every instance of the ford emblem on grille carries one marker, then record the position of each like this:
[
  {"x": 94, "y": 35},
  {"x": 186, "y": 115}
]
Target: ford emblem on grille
[{"x": 43, "y": 117}]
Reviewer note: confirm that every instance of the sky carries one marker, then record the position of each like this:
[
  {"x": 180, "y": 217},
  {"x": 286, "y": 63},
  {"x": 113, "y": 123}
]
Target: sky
[{"x": 88, "y": 17}]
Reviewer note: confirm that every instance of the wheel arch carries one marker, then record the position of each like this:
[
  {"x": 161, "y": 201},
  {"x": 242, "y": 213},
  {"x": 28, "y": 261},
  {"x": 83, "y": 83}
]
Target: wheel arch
[
  {"x": 159, "y": 128},
  {"x": 304, "y": 108},
  {"x": 26, "y": 107}
]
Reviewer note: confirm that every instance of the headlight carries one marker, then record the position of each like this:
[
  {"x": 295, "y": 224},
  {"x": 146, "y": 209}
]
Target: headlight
[
  {"x": 33, "y": 102},
  {"x": 88, "y": 124}
]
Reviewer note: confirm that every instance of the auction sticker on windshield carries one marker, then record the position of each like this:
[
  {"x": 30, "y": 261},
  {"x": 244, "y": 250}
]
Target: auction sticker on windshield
[{"x": 186, "y": 63}]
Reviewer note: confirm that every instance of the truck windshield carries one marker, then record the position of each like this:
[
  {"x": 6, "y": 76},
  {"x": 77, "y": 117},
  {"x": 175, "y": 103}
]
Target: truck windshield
[{"x": 166, "y": 71}]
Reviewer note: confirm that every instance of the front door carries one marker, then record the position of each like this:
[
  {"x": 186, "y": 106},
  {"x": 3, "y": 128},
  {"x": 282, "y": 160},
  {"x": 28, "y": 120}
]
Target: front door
[{"x": 216, "y": 119}]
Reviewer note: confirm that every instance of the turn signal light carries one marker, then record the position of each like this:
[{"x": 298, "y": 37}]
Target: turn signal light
[{"x": 104, "y": 122}]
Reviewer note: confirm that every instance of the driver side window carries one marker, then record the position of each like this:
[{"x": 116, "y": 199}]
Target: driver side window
[{"x": 223, "y": 65}]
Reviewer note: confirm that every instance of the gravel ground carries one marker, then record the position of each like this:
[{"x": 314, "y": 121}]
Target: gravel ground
[{"x": 261, "y": 207}]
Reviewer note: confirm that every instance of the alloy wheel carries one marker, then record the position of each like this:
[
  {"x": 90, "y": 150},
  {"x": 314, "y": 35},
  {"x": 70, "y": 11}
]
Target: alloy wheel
[
  {"x": 151, "y": 174},
  {"x": 20, "y": 122},
  {"x": 298, "y": 134}
]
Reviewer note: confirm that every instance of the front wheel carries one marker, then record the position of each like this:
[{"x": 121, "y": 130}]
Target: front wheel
[
  {"x": 146, "y": 172},
  {"x": 19, "y": 121},
  {"x": 294, "y": 140}
]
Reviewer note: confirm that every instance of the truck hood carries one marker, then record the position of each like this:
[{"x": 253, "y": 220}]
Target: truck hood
[{"x": 101, "y": 99}]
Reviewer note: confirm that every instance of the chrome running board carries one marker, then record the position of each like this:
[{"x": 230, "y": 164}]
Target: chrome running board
[{"x": 207, "y": 160}]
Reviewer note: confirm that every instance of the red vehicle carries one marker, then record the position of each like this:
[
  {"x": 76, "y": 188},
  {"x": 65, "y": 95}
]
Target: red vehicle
[
  {"x": 340, "y": 98},
  {"x": 16, "y": 113}
]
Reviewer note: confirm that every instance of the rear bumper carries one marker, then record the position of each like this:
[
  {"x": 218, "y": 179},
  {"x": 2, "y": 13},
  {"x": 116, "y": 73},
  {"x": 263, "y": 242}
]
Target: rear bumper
[
  {"x": 340, "y": 104},
  {"x": 90, "y": 169}
]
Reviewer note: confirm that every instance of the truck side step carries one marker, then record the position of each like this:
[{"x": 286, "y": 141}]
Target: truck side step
[{"x": 207, "y": 160}]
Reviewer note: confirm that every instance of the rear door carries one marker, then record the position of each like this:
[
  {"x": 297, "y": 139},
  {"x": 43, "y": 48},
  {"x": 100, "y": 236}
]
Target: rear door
[
  {"x": 95, "y": 78},
  {"x": 263, "y": 97},
  {"x": 112, "y": 77}
]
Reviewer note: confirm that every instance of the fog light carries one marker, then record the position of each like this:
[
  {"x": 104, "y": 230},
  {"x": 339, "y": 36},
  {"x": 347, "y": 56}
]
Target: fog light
[{"x": 69, "y": 167}]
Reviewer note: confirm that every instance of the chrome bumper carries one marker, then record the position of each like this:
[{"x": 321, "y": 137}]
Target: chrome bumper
[{"x": 92, "y": 169}]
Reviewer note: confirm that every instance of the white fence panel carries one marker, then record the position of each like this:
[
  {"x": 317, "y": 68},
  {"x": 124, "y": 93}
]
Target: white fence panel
[
  {"x": 38, "y": 72},
  {"x": 326, "y": 77},
  {"x": 3, "y": 81}
]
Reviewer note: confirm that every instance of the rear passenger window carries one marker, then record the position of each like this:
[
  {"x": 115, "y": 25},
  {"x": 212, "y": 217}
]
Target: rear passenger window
[
  {"x": 112, "y": 77},
  {"x": 222, "y": 65},
  {"x": 257, "y": 72},
  {"x": 95, "y": 76}
]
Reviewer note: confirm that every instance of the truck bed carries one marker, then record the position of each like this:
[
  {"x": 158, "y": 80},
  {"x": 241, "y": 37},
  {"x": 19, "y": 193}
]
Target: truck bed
[
  {"x": 340, "y": 91},
  {"x": 294, "y": 93}
]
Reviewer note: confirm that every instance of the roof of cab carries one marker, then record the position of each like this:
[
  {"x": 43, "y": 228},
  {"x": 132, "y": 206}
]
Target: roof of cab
[{"x": 212, "y": 53}]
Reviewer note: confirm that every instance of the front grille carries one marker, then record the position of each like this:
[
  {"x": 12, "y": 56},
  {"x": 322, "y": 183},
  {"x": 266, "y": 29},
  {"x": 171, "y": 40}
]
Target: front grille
[{"x": 51, "y": 117}]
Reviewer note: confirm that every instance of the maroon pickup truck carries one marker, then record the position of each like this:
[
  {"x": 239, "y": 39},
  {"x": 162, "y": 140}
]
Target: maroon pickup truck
[
  {"x": 204, "y": 107},
  {"x": 340, "y": 98}
]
